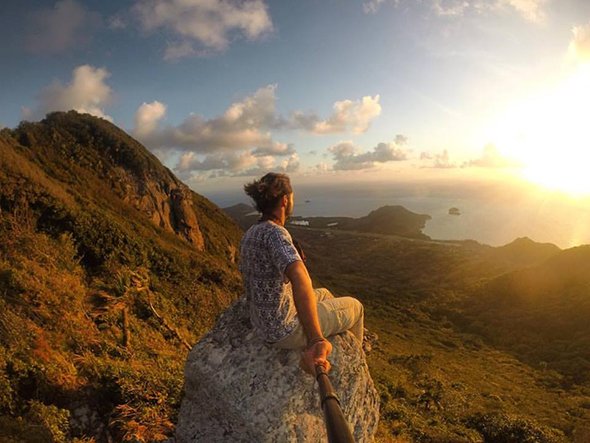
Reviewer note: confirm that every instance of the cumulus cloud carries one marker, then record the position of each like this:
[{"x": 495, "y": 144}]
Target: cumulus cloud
[
  {"x": 248, "y": 123},
  {"x": 346, "y": 158},
  {"x": 579, "y": 47},
  {"x": 230, "y": 161},
  {"x": 492, "y": 158},
  {"x": 245, "y": 124},
  {"x": 240, "y": 140},
  {"x": 237, "y": 142},
  {"x": 347, "y": 115},
  {"x": 65, "y": 26},
  {"x": 87, "y": 92},
  {"x": 147, "y": 117},
  {"x": 233, "y": 164},
  {"x": 291, "y": 164},
  {"x": 210, "y": 25}
]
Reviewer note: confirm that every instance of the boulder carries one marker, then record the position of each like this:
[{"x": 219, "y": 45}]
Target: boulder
[{"x": 237, "y": 388}]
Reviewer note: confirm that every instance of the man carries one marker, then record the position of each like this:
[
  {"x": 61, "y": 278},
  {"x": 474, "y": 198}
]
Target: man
[{"x": 284, "y": 308}]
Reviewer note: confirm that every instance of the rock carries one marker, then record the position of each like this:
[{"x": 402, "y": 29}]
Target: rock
[
  {"x": 166, "y": 202},
  {"x": 237, "y": 388},
  {"x": 184, "y": 217}
]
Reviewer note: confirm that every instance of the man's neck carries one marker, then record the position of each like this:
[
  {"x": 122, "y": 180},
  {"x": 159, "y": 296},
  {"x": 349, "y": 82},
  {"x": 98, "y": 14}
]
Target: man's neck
[{"x": 276, "y": 217}]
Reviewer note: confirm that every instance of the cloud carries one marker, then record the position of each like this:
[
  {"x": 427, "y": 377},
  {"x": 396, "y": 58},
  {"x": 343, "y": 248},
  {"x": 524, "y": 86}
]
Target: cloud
[
  {"x": 438, "y": 161},
  {"x": 65, "y": 26},
  {"x": 236, "y": 164},
  {"x": 245, "y": 124},
  {"x": 347, "y": 115},
  {"x": 372, "y": 6},
  {"x": 211, "y": 24},
  {"x": 530, "y": 10},
  {"x": 346, "y": 158},
  {"x": 275, "y": 149},
  {"x": 237, "y": 142},
  {"x": 291, "y": 164},
  {"x": 117, "y": 22},
  {"x": 401, "y": 140},
  {"x": 579, "y": 47},
  {"x": 248, "y": 123},
  {"x": 240, "y": 140},
  {"x": 230, "y": 161},
  {"x": 147, "y": 117},
  {"x": 176, "y": 51},
  {"x": 492, "y": 158},
  {"x": 87, "y": 92},
  {"x": 450, "y": 8}
]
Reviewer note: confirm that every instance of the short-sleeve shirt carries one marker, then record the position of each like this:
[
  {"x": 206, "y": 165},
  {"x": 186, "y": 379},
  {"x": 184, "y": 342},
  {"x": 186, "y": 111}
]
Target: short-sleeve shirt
[{"x": 265, "y": 252}]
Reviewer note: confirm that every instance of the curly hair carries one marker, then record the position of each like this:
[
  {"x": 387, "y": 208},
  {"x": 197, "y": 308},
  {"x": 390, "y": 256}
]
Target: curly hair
[{"x": 267, "y": 191}]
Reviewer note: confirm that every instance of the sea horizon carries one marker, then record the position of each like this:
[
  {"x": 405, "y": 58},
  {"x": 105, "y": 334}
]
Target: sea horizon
[{"x": 490, "y": 213}]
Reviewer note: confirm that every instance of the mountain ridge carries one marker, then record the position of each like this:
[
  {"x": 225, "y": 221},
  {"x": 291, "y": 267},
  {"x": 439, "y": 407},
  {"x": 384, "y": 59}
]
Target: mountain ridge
[{"x": 109, "y": 266}]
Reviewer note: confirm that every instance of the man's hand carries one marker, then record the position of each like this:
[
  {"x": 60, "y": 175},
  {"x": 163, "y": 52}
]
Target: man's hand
[{"x": 316, "y": 354}]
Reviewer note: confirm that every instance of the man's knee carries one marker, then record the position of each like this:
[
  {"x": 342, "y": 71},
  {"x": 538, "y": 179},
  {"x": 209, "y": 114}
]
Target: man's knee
[
  {"x": 361, "y": 309},
  {"x": 356, "y": 307}
]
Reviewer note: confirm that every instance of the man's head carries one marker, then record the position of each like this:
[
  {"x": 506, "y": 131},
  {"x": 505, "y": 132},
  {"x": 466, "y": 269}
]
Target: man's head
[{"x": 271, "y": 192}]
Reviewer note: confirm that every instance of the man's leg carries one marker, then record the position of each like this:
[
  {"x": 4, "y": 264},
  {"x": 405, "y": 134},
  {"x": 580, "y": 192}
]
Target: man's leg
[
  {"x": 336, "y": 315},
  {"x": 322, "y": 294},
  {"x": 341, "y": 314}
]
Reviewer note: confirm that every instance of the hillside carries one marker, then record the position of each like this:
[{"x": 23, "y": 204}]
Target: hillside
[
  {"x": 541, "y": 314},
  {"x": 441, "y": 364},
  {"x": 109, "y": 268},
  {"x": 244, "y": 215}
]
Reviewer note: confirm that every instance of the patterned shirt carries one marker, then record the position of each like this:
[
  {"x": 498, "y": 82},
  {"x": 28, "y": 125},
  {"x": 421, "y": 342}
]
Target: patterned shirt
[{"x": 265, "y": 252}]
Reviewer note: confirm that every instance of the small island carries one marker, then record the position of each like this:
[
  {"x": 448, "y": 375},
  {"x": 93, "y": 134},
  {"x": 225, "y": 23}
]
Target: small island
[{"x": 454, "y": 211}]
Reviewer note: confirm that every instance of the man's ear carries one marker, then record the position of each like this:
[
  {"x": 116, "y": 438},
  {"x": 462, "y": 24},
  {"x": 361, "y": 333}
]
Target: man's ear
[{"x": 285, "y": 201}]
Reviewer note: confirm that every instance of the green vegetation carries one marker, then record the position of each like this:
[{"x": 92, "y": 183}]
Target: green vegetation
[
  {"x": 461, "y": 333},
  {"x": 98, "y": 302}
]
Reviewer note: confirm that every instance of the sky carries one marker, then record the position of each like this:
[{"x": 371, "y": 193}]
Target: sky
[{"x": 325, "y": 90}]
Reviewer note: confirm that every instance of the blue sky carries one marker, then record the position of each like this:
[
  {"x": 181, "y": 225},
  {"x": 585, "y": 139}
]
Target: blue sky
[{"x": 222, "y": 90}]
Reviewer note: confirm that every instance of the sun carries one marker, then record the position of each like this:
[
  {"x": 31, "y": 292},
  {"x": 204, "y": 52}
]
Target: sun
[{"x": 549, "y": 135}]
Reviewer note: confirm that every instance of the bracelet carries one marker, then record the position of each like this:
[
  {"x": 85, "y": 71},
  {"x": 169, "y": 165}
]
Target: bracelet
[{"x": 314, "y": 341}]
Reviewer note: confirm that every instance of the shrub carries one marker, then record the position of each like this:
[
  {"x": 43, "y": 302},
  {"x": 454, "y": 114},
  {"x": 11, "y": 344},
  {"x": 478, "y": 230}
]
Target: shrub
[{"x": 504, "y": 428}]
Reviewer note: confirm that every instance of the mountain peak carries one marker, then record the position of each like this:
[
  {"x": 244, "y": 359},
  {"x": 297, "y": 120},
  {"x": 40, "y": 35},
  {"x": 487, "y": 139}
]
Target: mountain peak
[{"x": 98, "y": 163}]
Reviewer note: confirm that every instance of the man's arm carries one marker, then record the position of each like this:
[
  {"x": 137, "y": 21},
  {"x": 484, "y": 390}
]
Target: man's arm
[{"x": 306, "y": 304}]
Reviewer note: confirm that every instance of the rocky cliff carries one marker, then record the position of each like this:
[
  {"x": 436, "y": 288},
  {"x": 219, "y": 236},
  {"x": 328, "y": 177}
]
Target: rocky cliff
[{"x": 239, "y": 389}]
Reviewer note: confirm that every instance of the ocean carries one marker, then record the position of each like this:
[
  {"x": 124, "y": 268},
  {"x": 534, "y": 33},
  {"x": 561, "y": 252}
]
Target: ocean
[{"x": 490, "y": 213}]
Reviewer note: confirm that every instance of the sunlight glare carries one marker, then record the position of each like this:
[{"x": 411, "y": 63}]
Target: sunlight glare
[{"x": 549, "y": 135}]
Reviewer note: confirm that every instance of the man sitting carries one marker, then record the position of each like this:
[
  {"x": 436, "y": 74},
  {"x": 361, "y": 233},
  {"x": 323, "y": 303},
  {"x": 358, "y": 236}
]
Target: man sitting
[{"x": 284, "y": 308}]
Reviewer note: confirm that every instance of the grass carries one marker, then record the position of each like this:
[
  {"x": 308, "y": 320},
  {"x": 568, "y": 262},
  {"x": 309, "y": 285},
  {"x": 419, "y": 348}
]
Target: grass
[{"x": 440, "y": 379}]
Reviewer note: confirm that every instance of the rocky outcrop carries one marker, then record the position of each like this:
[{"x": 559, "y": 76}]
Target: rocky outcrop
[
  {"x": 237, "y": 388},
  {"x": 184, "y": 219},
  {"x": 167, "y": 205}
]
